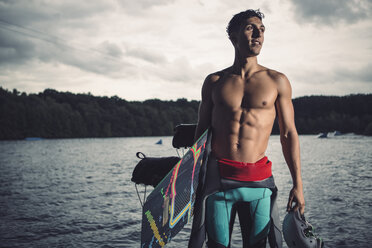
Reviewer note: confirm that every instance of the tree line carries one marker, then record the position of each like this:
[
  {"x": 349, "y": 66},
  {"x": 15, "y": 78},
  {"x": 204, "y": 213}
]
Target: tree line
[{"x": 53, "y": 114}]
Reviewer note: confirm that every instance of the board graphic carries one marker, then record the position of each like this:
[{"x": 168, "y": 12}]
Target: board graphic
[{"x": 170, "y": 205}]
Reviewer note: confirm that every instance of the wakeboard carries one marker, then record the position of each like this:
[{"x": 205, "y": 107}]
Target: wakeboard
[{"x": 170, "y": 205}]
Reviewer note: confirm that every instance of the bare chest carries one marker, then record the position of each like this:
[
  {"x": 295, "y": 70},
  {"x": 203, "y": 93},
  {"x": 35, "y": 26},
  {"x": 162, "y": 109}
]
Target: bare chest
[{"x": 235, "y": 93}]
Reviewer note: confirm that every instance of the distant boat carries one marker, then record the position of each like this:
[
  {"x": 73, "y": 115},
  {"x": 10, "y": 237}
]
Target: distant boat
[
  {"x": 336, "y": 133},
  {"x": 160, "y": 142},
  {"x": 322, "y": 135},
  {"x": 33, "y": 138}
]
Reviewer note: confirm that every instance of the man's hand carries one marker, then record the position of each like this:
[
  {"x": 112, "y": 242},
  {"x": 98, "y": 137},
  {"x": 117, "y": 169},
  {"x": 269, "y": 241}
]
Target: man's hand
[{"x": 296, "y": 196}]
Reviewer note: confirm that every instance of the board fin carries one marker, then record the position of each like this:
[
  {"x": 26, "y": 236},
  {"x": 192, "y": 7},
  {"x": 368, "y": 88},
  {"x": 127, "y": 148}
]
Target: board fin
[{"x": 165, "y": 210}]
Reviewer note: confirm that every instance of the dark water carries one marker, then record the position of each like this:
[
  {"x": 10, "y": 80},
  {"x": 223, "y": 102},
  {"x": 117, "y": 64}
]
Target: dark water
[{"x": 77, "y": 192}]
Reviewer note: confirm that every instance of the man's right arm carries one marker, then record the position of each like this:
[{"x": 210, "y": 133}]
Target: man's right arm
[{"x": 205, "y": 107}]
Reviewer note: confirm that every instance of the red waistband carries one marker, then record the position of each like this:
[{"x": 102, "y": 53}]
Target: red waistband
[{"x": 241, "y": 171}]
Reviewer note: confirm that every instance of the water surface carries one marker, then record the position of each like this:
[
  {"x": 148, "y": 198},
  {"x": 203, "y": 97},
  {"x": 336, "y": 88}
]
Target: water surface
[{"x": 78, "y": 193}]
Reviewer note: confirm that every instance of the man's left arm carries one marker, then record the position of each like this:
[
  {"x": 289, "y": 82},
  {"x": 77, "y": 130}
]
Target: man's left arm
[{"x": 290, "y": 142}]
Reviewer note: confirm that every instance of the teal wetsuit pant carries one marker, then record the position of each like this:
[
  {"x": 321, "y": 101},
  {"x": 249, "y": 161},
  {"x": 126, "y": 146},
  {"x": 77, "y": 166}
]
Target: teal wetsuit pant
[{"x": 219, "y": 210}]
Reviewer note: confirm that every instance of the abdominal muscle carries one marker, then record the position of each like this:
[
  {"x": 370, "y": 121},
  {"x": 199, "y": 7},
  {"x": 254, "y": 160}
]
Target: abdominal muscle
[{"x": 241, "y": 135}]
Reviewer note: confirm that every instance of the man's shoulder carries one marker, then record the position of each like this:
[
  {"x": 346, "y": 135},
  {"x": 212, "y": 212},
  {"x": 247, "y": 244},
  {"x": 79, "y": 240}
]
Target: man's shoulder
[
  {"x": 280, "y": 79},
  {"x": 275, "y": 75},
  {"x": 215, "y": 76}
]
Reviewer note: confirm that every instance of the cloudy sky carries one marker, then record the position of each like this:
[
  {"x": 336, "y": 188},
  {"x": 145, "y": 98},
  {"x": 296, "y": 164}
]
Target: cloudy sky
[{"x": 141, "y": 49}]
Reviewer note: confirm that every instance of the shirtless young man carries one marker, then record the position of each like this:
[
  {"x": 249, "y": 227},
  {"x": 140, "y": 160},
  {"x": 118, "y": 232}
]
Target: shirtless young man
[{"x": 240, "y": 104}]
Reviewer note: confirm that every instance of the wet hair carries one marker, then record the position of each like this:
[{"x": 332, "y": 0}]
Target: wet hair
[{"x": 240, "y": 18}]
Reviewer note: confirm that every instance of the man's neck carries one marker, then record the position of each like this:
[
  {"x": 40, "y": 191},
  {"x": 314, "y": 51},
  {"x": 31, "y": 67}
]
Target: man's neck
[{"x": 245, "y": 66}]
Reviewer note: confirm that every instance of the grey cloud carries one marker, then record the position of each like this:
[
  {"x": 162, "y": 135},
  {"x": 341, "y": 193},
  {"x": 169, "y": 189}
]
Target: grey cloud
[
  {"x": 339, "y": 80},
  {"x": 335, "y": 82},
  {"x": 147, "y": 55},
  {"x": 26, "y": 12},
  {"x": 14, "y": 50},
  {"x": 180, "y": 70},
  {"x": 366, "y": 75},
  {"x": 80, "y": 9},
  {"x": 37, "y": 27},
  {"x": 104, "y": 60},
  {"x": 138, "y": 6},
  {"x": 92, "y": 63},
  {"x": 111, "y": 49},
  {"x": 24, "y": 36},
  {"x": 22, "y": 12},
  {"x": 363, "y": 74},
  {"x": 330, "y": 12},
  {"x": 17, "y": 49}
]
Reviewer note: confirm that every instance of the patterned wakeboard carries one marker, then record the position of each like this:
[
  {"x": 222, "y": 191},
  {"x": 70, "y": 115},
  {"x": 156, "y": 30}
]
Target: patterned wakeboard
[{"x": 170, "y": 205}]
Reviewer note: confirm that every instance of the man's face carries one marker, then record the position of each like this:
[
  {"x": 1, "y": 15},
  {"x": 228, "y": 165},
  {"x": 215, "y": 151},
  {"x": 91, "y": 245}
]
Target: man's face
[{"x": 249, "y": 40}]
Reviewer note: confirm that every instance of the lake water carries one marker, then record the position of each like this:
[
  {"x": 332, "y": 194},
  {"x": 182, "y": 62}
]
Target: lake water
[{"x": 78, "y": 193}]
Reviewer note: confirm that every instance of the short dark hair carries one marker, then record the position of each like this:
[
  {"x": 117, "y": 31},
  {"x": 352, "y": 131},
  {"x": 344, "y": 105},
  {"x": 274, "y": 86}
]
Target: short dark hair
[{"x": 240, "y": 18}]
